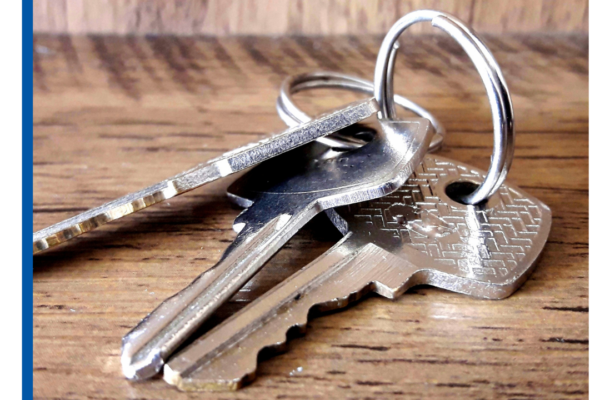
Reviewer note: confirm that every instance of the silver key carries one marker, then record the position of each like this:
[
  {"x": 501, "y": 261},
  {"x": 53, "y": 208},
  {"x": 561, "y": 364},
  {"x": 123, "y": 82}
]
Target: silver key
[
  {"x": 417, "y": 235},
  {"x": 273, "y": 217},
  {"x": 229, "y": 163}
]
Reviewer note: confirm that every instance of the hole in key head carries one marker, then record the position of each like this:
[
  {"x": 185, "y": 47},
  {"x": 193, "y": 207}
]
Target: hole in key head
[
  {"x": 364, "y": 133},
  {"x": 457, "y": 191},
  {"x": 357, "y": 133}
]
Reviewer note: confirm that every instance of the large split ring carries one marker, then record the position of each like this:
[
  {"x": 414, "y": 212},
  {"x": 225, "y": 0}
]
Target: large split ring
[{"x": 486, "y": 65}]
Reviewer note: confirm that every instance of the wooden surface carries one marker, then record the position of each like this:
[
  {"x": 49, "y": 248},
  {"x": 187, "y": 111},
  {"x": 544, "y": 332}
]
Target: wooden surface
[
  {"x": 297, "y": 17},
  {"x": 112, "y": 115}
]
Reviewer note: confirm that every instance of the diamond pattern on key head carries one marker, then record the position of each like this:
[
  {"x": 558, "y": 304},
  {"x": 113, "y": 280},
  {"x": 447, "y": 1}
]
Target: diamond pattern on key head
[{"x": 480, "y": 241}]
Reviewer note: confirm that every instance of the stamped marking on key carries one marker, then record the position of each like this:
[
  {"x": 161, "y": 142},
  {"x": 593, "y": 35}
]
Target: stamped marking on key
[
  {"x": 416, "y": 235},
  {"x": 230, "y": 162}
]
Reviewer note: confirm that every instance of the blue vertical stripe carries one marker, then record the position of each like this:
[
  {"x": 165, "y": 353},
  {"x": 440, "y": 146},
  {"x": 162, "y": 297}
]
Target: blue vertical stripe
[{"x": 27, "y": 216}]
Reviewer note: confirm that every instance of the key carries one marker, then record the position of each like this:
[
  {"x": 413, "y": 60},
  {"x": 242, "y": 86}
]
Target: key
[
  {"x": 300, "y": 186},
  {"x": 416, "y": 235},
  {"x": 229, "y": 163}
]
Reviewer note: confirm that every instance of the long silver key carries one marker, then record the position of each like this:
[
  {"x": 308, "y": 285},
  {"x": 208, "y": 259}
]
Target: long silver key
[
  {"x": 298, "y": 190},
  {"x": 417, "y": 235},
  {"x": 229, "y": 163}
]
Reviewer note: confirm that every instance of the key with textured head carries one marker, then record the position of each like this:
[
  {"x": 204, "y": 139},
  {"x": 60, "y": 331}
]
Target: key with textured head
[
  {"x": 416, "y": 235},
  {"x": 295, "y": 188},
  {"x": 229, "y": 163}
]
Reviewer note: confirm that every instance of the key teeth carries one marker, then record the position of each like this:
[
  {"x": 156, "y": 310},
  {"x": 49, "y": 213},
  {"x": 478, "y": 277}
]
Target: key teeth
[
  {"x": 192, "y": 383},
  {"x": 188, "y": 384},
  {"x": 278, "y": 344}
]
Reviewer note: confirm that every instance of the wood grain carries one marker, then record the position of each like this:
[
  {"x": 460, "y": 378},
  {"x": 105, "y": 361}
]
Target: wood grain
[
  {"x": 297, "y": 17},
  {"x": 112, "y": 115}
]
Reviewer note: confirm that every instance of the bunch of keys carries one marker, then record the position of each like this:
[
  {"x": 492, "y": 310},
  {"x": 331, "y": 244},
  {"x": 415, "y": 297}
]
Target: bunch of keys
[{"x": 407, "y": 219}]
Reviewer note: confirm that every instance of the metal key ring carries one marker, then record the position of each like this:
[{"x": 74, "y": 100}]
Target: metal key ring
[
  {"x": 486, "y": 65},
  {"x": 292, "y": 115}
]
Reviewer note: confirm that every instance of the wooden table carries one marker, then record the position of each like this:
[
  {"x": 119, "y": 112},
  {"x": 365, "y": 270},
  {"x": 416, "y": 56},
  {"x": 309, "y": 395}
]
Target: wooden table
[{"x": 113, "y": 114}]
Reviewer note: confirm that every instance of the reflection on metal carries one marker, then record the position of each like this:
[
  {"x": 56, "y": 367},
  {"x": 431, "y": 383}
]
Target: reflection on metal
[
  {"x": 416, "y": 235},
  {"x": 284, "y": 194}
]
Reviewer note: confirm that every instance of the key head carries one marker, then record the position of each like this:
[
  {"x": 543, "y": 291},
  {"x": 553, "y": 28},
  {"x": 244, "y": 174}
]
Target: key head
[
  {"x": 315, "y": 174},
  {"x": 487, "y": 250}
]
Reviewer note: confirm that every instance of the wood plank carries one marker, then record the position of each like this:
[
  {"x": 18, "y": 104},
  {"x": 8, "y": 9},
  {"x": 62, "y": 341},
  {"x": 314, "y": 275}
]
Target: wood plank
[
  {"x": 531, "y": 16},
  {"x": 298, "y": 17},
  {"x": 112, "y": 115}
]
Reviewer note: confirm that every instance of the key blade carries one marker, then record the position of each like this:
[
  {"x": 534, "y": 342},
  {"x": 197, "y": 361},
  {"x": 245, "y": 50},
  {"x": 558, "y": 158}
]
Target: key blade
[
  {"x": 231, "y": 162},
  {"x": 146, "y": 347},
  {"x": 226, "y": 357}
]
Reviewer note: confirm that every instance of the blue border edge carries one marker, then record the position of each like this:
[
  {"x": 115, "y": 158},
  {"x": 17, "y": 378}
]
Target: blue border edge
[{"x": 27, "y": 193}]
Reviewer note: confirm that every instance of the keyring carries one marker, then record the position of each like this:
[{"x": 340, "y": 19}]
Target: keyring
[
  {"x": 486, "y": 65},
  {"x": 292, "y": 115}
]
